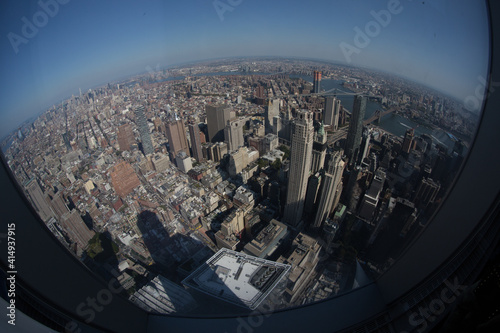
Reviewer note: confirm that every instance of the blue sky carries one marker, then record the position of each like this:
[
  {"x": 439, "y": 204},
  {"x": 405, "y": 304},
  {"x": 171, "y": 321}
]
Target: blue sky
[{"x": 443, "y": 44}]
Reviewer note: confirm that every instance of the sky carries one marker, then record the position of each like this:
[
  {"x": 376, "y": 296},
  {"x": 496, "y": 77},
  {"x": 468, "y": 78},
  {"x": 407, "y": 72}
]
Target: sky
[{"x": 51, "y": 48}]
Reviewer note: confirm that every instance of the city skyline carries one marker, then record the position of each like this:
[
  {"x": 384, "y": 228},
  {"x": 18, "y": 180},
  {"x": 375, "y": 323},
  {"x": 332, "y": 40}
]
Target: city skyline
[{"x": 65, "y": 53}]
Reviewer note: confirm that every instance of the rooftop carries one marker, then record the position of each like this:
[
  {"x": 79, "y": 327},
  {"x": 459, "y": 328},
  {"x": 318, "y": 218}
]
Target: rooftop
[{"x": 237, "y": 278}]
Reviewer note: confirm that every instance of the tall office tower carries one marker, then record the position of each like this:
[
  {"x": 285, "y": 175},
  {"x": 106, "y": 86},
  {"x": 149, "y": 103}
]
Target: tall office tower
[
  {"x": 426, "y": 192},
  {"x": 217, "y": 117},
  {"x": 125, "y": 137},
  {"x": 183, "y": 162},
  {"x": 76, "y": 228},
  {"x": 219, "y": 150},
  {"x": 332, "y": 112},
  {"x": 300, "y": 166},
  {"x": 142, "y": 126},
  {"x": 276, "y": 125},
  {"x": 194, "y": 133},
  {"x": 67, "y": 142},
  {"x": 124, "y": 178},
  {"x": 342, "y": 116},
  {"x": 177, "y": 140},
  {"x": 58, "y": 205},
  {"x": 259, "y": 92},
  {"x": 330, "y": 191},
  {"x": 365, "y": 145},
  {"x": 319, "y": 150},
  {"x": 355, "y": 129},
  {"x": 272, "y": 110},
  {"x": 317, "y": 82},
  {"x": 233, "y": 134},
  {"x": 312, "y": 195},
  {"x": 286, "y": 127},
  {"x": 38, "y": 199},
  {"x": 372, "y": 195},
  {"x": 408, "y": 140}
]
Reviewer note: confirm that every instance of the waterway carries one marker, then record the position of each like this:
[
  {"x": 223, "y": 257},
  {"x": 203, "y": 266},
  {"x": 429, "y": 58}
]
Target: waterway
[{"x": 392, "y": 123}]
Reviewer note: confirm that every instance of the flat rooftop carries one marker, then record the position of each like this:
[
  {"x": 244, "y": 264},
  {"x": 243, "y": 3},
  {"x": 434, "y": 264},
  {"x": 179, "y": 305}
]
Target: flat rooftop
[{"x": 237, "y": 278}]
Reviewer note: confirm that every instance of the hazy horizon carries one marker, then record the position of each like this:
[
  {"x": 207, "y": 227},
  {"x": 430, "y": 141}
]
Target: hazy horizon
[{"x": 442, "y": 45}]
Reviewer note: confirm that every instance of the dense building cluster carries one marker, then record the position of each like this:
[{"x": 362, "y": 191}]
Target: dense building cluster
[{"x": 146, "y": 179}]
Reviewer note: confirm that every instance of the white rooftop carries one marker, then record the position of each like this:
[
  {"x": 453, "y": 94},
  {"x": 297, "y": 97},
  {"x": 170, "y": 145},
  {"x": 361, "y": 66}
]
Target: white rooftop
[{"x": 238, "y": 278}]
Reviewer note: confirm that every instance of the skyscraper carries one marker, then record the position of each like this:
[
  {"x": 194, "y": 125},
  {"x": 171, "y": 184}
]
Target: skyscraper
[
  {"x": 183, "y": 162},
  {"x": 332, "y": 112},
  {"x": 217, "y": 117},
  {"x": 177, "y": 140},
  {"x": 300, "y": 166},
  {"x": 194, "y": 133},
  {"x": 364, "y": 148},
  {"x": 317, "y": 82},
  {"x": 38, "y": 199},
  {"x": 372, "y": 195},
  {"x": 355, "y": 129},
  {"x": 408, "y": 140},
  {"x": 125, "y": 137},
  {"x": 233, "y": 134},
  {"x": 142, "y": 126},
  {"x": 330, "y": 187},
  {"x": 426, "y": 192},
  {"x": 76, "y": 228},
  {"x": 272, "y": 110},
  {"x": 58, "y": 205},
  {"x": 319, "y": 150}
]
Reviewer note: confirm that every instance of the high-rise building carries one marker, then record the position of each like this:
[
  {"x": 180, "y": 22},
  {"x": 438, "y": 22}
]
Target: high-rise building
[
  {"x": 312, "y": 195},
  {"x": 272, "y": 110},
  {"x": 220, "y": 149},
  {"x": 142, "y": 126},
  {"x": 183, "y": 162},
  {"x": 372, "y": 195},
  {"x": 38, "y": 199},
  {"x": 125, "y": 137},
  {"x": 365, "y": 145},
  {"x": 304, "y": 257},
  {"x": 58, "y": 205},
  {"x": 319, "y": 150},
  {"x": 317, "y": 82},
  {"x": 124, "y": 178},
  {"x": 300, "y": 166},
  {"x": 276, "y": 125},
  {"x": 233, "y": 134},
  {"x": 177, "y": 140},
  {"x": 332, "y": 112},
  {"x": 426, "y": 192},
  {"x": 408, "y": 140},
  {"x": 259, "y": 92},
  {"x": 330, "y": 187},
  {"x": 76, "y": 228},
  {"x": 355, "y": 129},
  {"x": 217, "y": 117},
  {"x": 67, "y": 142},
  {"x": 160, "y": 162},
  {"x": 194, "y": 133}
]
